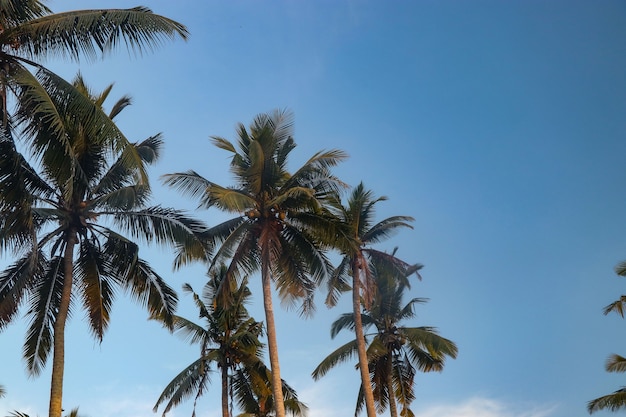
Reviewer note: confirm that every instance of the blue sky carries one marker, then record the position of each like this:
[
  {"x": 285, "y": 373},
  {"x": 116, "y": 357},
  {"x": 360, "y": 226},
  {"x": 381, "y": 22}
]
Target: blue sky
[{"x": 498, "y": 125}]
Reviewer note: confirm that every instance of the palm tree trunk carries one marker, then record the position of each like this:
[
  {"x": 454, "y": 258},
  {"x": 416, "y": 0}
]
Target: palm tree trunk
[
  {"x": 225, "y": 390},
  {"x": 58, "y": 350},
  {"x": 272, "y": 345},
  {"x": 360, "y": 343},
  {"x": 393, "y": 410}
]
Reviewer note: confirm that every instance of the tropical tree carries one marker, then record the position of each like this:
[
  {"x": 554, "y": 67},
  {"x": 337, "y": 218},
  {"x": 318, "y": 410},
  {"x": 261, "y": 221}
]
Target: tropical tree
[
  {"x": 228, "y": 338},
  {"x": 31, "y": 93},
  {"x": 66, "y": 253},
  {"x": 278, "y": 217},
  {"x": 355, "y": 232},
  {"x": 395, "y": 351},
  {"x": 615, "y": 363},
  {"x": 3, "y": 391}
]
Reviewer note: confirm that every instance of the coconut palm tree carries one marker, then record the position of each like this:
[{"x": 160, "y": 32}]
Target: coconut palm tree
[
  {"x": 31, "y": 93},
  {"x": 355, "y": 232},
  {"x": 228, "y": 338},
  {"x": 615, "y": 363},
  {"x": 68, "y": 254},
  {"x": 278, "y": 217},
  {"x": 3, "y": 392},
  {"x": 395, "y": 351}
]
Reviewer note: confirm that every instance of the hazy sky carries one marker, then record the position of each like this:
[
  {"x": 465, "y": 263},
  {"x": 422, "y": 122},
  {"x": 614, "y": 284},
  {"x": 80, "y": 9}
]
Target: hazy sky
[{"x": 499, "y": 125}]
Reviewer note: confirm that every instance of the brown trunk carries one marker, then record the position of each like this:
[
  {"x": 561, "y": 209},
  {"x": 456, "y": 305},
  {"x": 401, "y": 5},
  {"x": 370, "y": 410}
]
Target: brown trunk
[
  {"x": 225, "y": 390},
  {"x": 392, "y": 395},
  {"x": 272, "y": 345},
  {"x": 58, "y": 349},
  {"x": 360, "y": 343}
]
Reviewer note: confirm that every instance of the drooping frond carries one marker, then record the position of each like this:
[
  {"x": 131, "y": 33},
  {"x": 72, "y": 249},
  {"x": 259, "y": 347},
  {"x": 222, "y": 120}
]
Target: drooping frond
[
  {"x": 89, "y": 32},
  {"x": 340, "y": 355},
  {"x": 194, "y": 378},
  {"x": 612, "y": 402},
  {"x": 44, "y": 304}
]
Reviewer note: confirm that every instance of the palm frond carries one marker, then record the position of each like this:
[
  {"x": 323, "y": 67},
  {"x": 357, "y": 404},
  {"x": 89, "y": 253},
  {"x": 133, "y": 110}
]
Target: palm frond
[
  {"x": 611, "y": 402},
  {"x": 194, "y": 378},
  {"x": 616, "y": 363},
  {"x": 87, "y": 32},
  {"x": 46, "y": 297},
  {"x": 339, "y": 355}
]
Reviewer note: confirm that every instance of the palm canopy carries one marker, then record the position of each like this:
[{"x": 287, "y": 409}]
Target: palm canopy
[
  {"x": 395, "y": 351},
  {"x": 279, "y": 219},
  {"x": 67, "y": 197}
]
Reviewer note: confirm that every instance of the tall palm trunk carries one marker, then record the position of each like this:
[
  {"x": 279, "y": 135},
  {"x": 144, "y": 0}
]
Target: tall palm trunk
[
  {"x": 393, "y": 410},
  {"x": 368, "y": 394},
  {"x": 272, "y": 345},
  {"x": 225, "y": 390},
  {"x": 58, "y": 354}
]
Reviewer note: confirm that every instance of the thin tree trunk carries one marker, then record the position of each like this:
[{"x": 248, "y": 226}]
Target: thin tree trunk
[
  {"x": 58, "y": 350},
  {"x": 225, "y": 390},
  {"x": 368, "y": 394},
  {"x": 392, "y": 395},
  {"x": 272, "y": 345}
]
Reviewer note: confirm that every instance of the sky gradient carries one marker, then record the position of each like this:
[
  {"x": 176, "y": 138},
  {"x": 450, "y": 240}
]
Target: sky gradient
[{"x": 498, "y": 125}]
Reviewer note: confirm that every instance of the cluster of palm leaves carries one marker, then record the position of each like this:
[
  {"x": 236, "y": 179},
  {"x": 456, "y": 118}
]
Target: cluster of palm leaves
[
  {"x": 75, "y": 204},
  {"x": 615, "y": 363}
]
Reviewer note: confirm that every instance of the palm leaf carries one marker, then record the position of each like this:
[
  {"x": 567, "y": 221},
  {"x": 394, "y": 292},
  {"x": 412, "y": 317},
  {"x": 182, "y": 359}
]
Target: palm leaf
[
  {"x": 341, "y": 354},
  {"x": 611, "y": 402},
  {"x": 86, "y": 32}
]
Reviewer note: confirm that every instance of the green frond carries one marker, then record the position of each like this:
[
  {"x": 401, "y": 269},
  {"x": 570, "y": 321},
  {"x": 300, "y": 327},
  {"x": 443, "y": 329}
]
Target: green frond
[
  {"x": 193, "y": 379},
  {"x": 612, "y": 402},
  {"x": 191, "y": 184},
  {"x": 345, "y": 321},
  {"x": 342, "y": 354},
  {"x": 16, "y": 282},
  {"x": 223, "y": 144},
  {"x": 44, "y": 304},
  {"x": 96, "y": 285},
  {"x": 163, "y": 226},
  {"x": 89, "y": 32},
  {"x": 616, "y": 363}
]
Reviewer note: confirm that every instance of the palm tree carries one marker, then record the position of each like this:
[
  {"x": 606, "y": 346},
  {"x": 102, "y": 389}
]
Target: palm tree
[
  {"x": 30, "y": 33},
  {"x": 3, "y": 392},
  {"x": 355, "y": 233},
  {"x": 66, "y": 200},
  {"x": 395, "y": 351},
  {"x": 229, "y": 338},
  {"x": 277, "y": 217},
  {"x": 615, "y": 363}
]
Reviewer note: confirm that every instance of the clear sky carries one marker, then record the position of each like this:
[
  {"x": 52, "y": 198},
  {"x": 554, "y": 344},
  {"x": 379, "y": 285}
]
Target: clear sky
[{"x": 499, "y": 125}]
